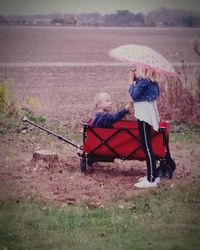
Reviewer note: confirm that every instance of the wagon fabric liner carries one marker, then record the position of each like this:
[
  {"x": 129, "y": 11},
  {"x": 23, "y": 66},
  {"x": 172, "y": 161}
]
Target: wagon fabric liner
[{"x": 122, "y": 141}]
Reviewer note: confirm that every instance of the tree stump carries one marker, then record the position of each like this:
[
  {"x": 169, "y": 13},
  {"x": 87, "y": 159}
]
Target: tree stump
[{"x": 45, "y": 155}]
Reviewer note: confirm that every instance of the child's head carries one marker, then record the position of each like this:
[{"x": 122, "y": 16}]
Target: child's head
[
  {"x": 147, "y": 73},
  {"x": 103, "y": 102}
]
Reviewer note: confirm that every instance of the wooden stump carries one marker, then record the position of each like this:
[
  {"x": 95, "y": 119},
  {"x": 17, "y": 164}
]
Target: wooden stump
[{"x": 45, "y": 155}]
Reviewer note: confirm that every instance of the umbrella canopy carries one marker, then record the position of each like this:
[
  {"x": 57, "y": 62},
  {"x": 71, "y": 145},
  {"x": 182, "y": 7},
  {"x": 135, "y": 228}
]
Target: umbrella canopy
[{"x": 144, "y": 56}]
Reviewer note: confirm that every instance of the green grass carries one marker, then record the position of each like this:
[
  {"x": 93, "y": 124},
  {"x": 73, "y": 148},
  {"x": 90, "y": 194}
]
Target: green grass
[
  {"x": 185, "y": 136},
  {"x": 181, "y": 132},
  {"x": 166, "y": 218}
]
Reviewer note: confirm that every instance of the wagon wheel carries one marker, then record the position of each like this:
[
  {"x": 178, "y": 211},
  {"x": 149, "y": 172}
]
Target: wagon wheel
[
  {"x": 171, "y": 163},
  {"x": 83, "y": 164},
  {"x": 165, "y": 170},
  {"x": 90, "y": 160}
]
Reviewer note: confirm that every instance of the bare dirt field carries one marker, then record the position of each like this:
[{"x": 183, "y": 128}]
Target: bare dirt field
[
  {"x": 61, "y": 44},
  {"x": 62, "y": 68}
]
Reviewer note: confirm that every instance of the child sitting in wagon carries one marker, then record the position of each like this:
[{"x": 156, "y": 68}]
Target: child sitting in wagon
[{"x": 104, "y": 117}]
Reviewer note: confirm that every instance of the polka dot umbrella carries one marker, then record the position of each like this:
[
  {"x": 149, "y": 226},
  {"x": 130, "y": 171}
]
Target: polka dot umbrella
[{"x": 144, "y": 56}]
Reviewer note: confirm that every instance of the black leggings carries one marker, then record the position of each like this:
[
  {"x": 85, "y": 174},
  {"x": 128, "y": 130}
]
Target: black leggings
[{"x": 145, "y": 131}]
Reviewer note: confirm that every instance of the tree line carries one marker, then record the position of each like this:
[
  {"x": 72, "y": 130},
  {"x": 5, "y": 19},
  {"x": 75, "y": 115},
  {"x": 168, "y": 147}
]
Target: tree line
[{"x": 161, "y": 17}]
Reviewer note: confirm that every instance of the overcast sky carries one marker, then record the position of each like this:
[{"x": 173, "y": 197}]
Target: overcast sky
[{"x": 27, "y": 7}]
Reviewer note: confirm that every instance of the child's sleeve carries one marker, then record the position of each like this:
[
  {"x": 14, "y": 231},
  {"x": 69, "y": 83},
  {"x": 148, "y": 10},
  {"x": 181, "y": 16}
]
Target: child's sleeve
[
  {"x": 106, "y": 120},
  {"x": 136, "y": 90},
  {"x": 116, "y": 116}
]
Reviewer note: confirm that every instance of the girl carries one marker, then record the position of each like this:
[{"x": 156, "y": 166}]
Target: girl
[{"x": 144, "y": 91}]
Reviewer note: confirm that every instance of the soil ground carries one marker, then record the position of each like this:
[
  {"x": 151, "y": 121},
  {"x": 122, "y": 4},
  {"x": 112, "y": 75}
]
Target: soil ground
[{"x": 62, "y": 182}]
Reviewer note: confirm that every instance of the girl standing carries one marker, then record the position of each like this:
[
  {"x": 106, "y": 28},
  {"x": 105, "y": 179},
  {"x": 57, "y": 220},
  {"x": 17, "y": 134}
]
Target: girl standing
[{"x": 144, "y": 91}]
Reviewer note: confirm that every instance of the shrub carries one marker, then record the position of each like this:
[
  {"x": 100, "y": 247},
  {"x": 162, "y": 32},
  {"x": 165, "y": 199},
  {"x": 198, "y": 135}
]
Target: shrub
[
  {"x": 180, "y": 98},
  {"x": 8, "y": 110},
  {"x": 4, "y": 97}
]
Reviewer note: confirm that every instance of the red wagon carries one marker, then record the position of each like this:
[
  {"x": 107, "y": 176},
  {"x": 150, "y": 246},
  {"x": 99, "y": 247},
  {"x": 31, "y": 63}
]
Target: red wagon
[
  {"x": 120, "y": 142},
  {"x": 123, "y": 142}
]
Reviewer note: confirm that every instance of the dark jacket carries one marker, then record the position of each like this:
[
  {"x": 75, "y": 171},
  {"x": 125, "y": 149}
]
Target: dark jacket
[
  {"x": 106, "y": 119},
  {"x": 144, "y": 90}
]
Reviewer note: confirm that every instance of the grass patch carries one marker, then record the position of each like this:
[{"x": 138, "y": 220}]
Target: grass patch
[
  {"x": 188, "y": 136},
  {"x": 8, "y": 109},
  {"x": 181, "y": 131},
  {"x": 38, "y": 118},
  {"x": 7, "y": 123},
  {"x": 166, "y": 218}
]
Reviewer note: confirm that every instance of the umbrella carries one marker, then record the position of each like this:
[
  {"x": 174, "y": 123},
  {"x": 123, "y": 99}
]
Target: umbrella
[{"x": 143, "y": 56}]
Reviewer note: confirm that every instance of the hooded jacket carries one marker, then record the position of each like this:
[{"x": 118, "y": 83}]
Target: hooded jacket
[
  {"x": 106, "y": 119},
  {"x": 144, "y": 90}
]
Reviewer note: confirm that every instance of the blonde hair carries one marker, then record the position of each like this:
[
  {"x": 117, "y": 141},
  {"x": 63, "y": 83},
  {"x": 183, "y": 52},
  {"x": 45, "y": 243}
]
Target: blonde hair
[
  {"x": 154, "y": 75},
  {"x": 98, "y": 98},
  {"x": 148, "y": 72}
]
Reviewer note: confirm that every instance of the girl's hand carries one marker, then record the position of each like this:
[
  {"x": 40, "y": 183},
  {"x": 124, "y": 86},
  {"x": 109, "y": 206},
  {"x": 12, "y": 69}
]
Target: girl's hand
[
  {"x": 129, "y": 106},
  {"x": 132, "y": 76}
]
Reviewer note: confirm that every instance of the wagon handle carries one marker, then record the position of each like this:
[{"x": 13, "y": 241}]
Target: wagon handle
[{"x": 79, "y": 147}]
